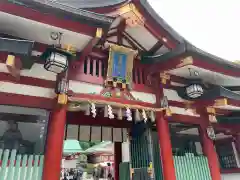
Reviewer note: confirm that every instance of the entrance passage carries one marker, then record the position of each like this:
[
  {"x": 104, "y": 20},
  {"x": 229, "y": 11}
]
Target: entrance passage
[{"x": 92, "y": 152}]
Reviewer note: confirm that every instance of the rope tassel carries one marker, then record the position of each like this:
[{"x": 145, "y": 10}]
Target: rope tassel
[
  {"x": 129, "y": 114},
  {"x": 105, "y": 111},
  {"x": 93, "y": 110},
  {"x": 110, "y": 112},
  {"x": 144, "y": 115},
  {"x": 152, "y": 116},
  {"x": 120, "y": 114},
  {"x": 87, "y": 111},
  {"x": 137, "y": 115}
]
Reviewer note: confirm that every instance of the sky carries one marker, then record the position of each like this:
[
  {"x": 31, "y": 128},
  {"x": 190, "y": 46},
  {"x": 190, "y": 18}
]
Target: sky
[{"x": 212, "y": 25}]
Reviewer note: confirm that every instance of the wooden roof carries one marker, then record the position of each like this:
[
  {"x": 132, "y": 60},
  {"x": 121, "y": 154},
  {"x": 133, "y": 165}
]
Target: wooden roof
[{"x": 152, "y": 47}]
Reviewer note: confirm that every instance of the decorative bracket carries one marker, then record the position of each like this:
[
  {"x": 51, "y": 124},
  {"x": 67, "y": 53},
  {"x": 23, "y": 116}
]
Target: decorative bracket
[
  {"x": 62, "y": 99},
  {"x": 132, "y": 15},
  {"x": 221, "y": 102},
  {"x": 186, "y": 61},
  {"x": 164, "y": 77},
  {"x": 211, "y": 114}
]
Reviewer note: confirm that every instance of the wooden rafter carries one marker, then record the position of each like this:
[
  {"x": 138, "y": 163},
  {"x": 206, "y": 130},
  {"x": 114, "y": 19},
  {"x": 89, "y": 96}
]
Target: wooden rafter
[
  {"x": 121, "y": 27},
  {"x": 89, "y": 47},
  {"x": 124, "y": 37},
  {"x": 154, "y": 28},
  {"x": 156, "y": 47},
  {"x": 48, "y": 18},
  {"x": 112, "y": 34},
  {"x": 134, "y": 41},
  {"x": 134, "y": 46},
  {"x": 121, "y": 35},
  {"x": 112, "y": 42}
]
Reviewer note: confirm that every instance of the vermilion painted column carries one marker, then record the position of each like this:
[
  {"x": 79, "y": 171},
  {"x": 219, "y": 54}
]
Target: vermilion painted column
[
  {"x": 117, "y": 158},
  {"x": 166, "y": 148},
  {"x": 210, "y": 153},
  {"x": 54, "y": 144}
]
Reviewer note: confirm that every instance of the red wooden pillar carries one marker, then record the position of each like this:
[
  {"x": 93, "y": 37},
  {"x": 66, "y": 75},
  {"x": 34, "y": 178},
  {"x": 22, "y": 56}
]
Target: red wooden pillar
[
  {"x": 54, "y": 144},
  {"x": 210, "y": 153},
  {"x": 165, "y": 148},
  {"x": 117, "y": 158}
]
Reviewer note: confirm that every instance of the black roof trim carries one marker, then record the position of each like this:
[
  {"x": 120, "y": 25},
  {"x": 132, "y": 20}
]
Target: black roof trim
[
  {"x": 228, "y": 93},
  {"x": 16, "y": 46},
  {"x": 86, "y": 4},
  {"x": 211, "y": 93},
  {"x": 187, "y": 48},
  {"x": 50, "y": 7},
  {"x": 184, "y": 45}
]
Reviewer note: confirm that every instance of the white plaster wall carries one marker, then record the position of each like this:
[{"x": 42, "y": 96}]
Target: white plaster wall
[
  {"x": 145, "y": 97},
  {"x": 37, "y": 71},
  {"x": 172, "y": 95},
  {"x": 85, "y": 88},
  {"x": 14, "y": 88},
  {"x": 183, "y": 111},
  {"x": 235, "y": 176}
]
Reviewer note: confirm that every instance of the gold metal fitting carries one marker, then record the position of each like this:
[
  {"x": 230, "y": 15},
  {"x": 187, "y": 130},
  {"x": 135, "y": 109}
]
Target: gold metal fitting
[
  {"x": 186, "y": 61},
  {"x": 221, "y": 102},
  {"x": 211, "y": 110},
  {"x": 62, "y": 99}
]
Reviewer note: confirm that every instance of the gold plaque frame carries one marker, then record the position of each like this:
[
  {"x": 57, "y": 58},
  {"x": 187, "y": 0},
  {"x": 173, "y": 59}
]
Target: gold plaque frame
[{"x": 130, "y": 53}]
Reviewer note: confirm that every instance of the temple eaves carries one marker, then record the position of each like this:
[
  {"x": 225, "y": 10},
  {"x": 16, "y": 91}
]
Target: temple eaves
[
  {"x": 63, "y": 11},
  {"x": 187, "y": 48}
]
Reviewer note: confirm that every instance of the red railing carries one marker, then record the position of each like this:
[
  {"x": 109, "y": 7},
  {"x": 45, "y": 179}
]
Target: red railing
[{"x": 93, "y": 70}]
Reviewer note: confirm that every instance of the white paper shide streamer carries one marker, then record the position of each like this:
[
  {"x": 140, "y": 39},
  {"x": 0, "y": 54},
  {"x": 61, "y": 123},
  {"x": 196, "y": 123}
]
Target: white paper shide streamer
[
  {"x": 129, "y": 114},
  {"x": 93, "y": 110},
  {"x": 110, "y": 112}
]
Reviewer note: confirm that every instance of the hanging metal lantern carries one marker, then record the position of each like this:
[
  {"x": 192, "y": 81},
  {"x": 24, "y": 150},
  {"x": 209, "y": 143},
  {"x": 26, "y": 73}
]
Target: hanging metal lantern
[
  {"x": 56, "y": 59},
  {"x": 56, "y": 63},
  {"x": 194, "y": 91},
  {"x": 61, "y": 86},
  {"x": 164, "y": 102}
]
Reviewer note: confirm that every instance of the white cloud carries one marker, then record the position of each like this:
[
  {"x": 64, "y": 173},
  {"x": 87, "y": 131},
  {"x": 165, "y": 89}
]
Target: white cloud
[{"x": 212, "y": 25}]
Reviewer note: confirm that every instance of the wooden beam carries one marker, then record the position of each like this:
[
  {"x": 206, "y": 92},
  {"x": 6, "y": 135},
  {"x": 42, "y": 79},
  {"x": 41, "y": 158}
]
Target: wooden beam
[
  {"x": 134, "y": 41},
  {"x": 155, "y": 48},
  {"x": 178, "y": 118},
  {"x": 115, "y": 33},
  {"x": 89, "y": 47},
  {"x": 50, "y": 19},
  {"x": 154, "y": 28},
  {"x": 112, "y": 42},
  {"x": 121, "y": 27},
  {"x": 119, "y": 38},
  {"x": 134, "y": 46}
]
